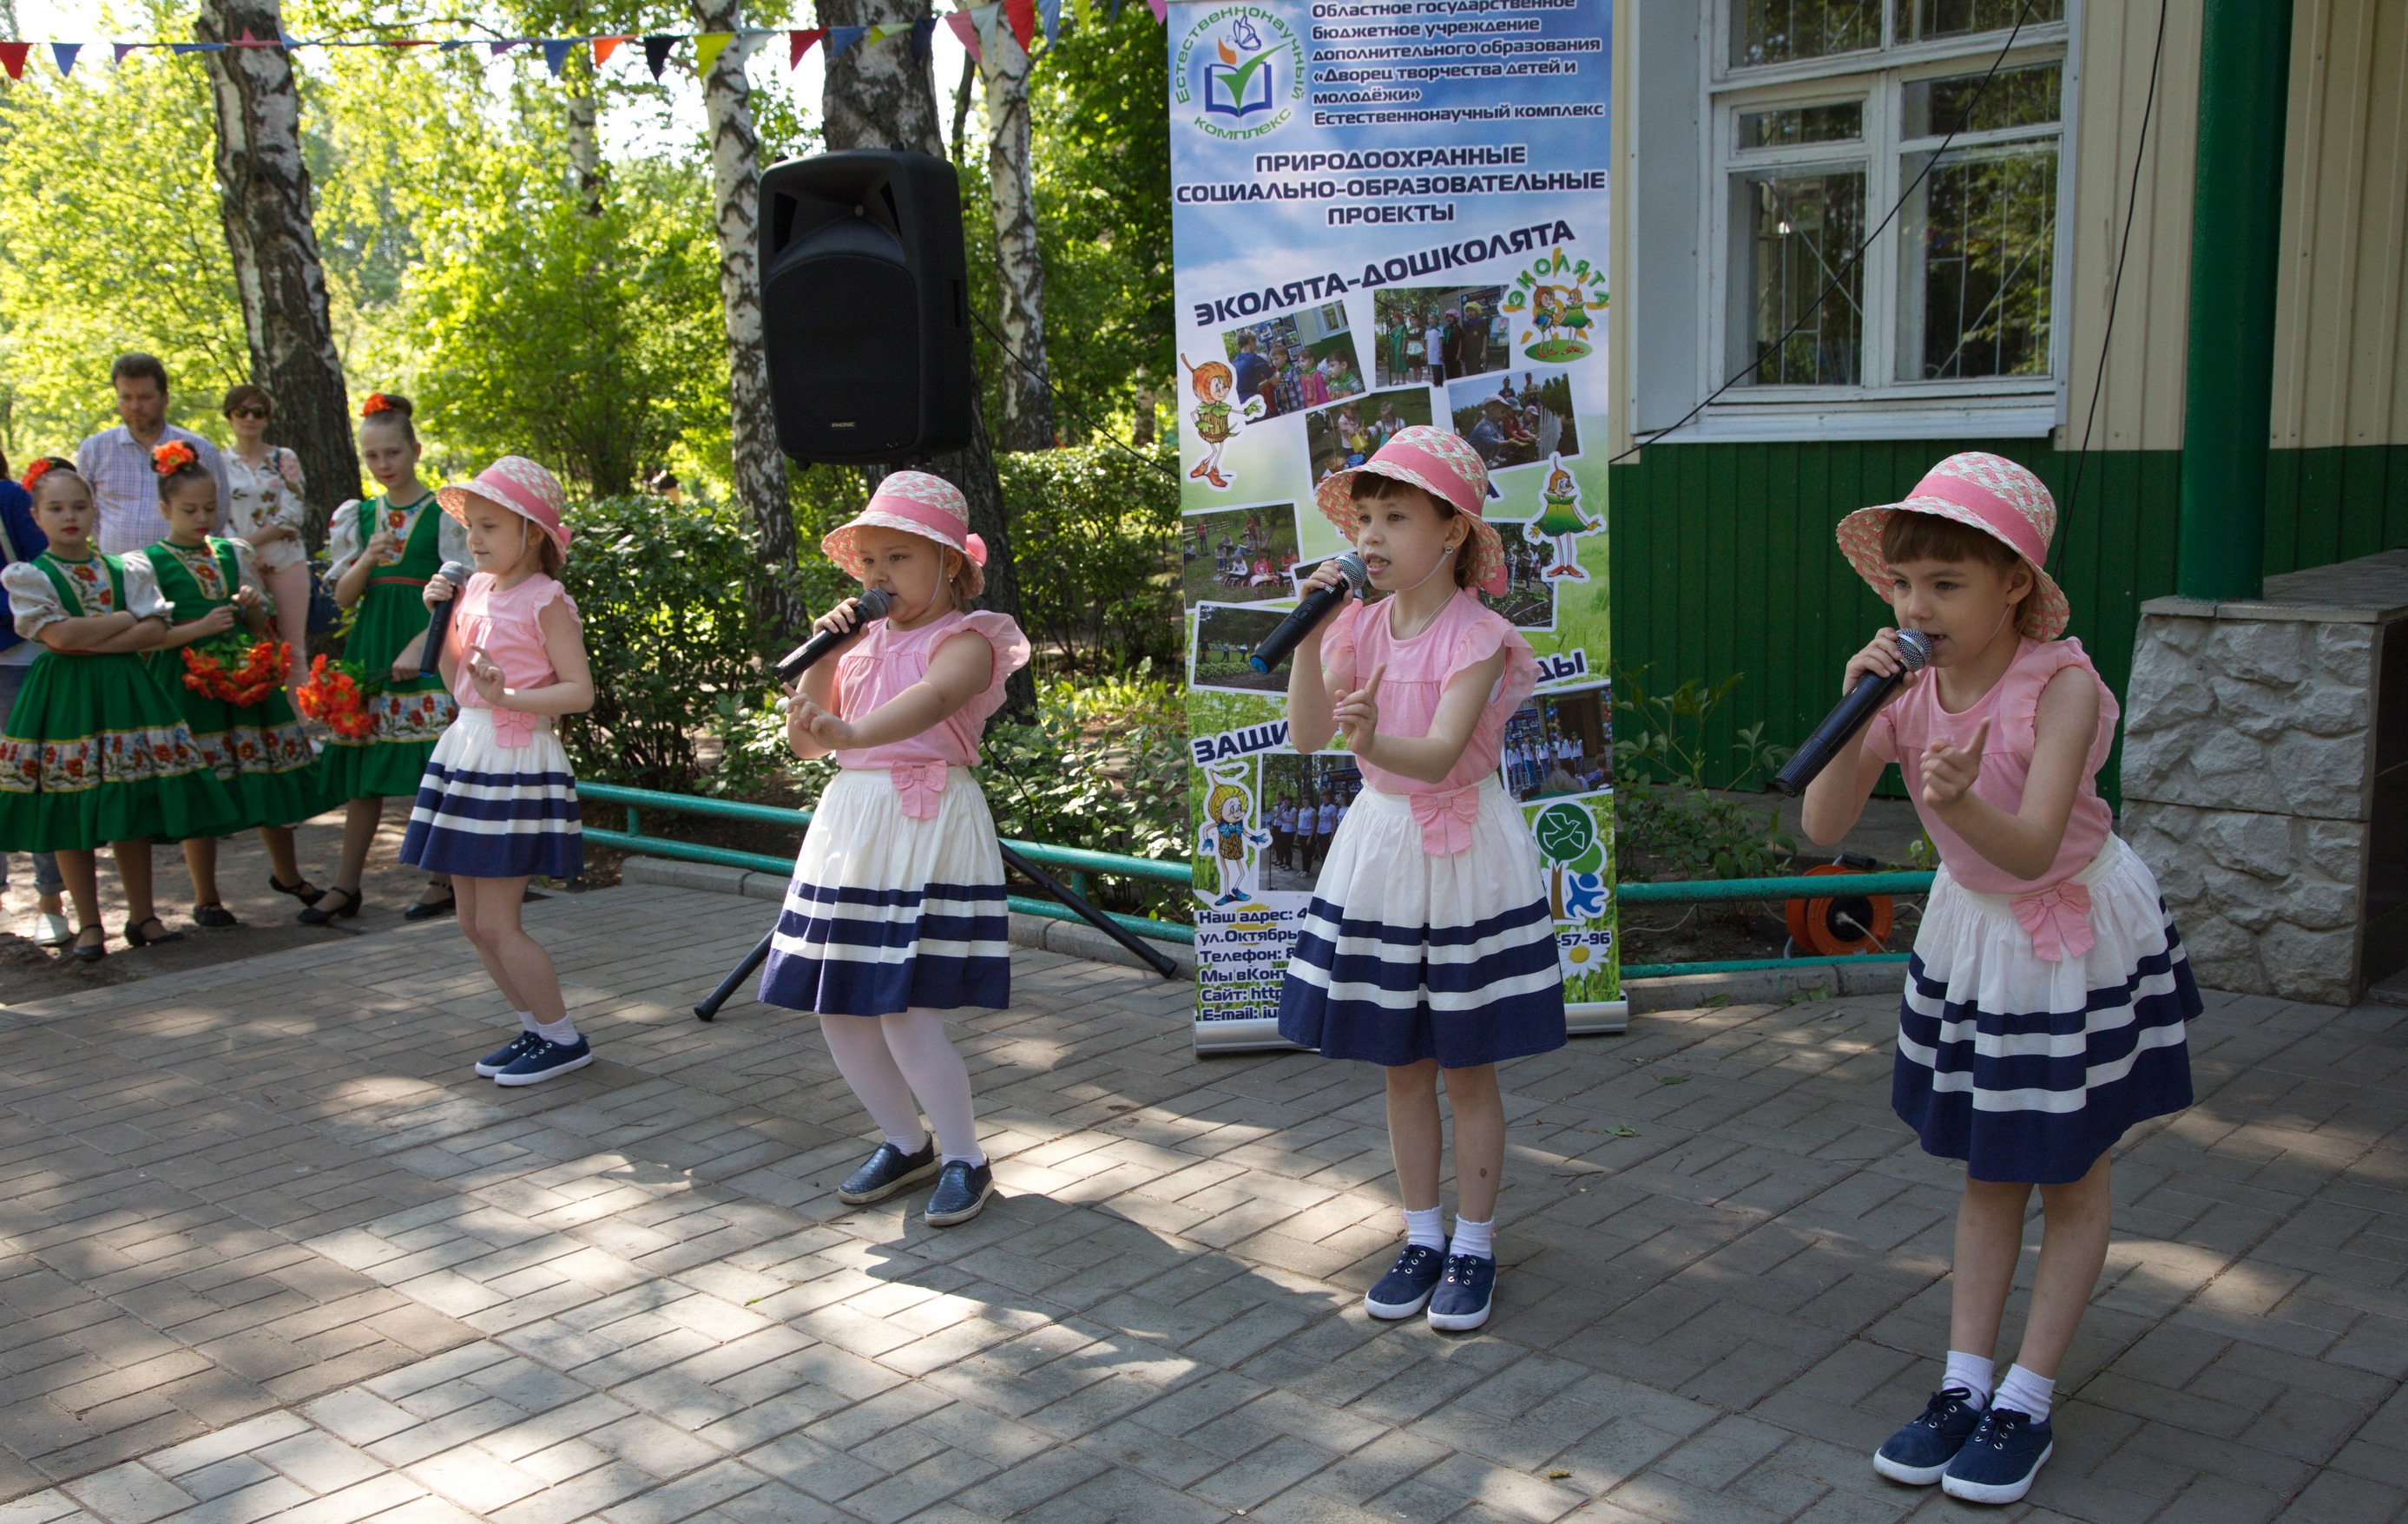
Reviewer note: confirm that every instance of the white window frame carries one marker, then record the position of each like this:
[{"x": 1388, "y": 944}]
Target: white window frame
[{"x": 1879, "y": 405}]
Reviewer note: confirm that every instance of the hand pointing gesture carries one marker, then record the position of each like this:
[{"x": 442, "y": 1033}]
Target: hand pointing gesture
[
  {"x": 1358, "y": 713},
  {"x": 1949, "y": 772}
]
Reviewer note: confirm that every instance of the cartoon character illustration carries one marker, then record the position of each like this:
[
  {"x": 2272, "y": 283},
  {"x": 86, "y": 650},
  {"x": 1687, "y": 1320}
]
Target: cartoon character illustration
[
  {"x": 1234, "y": 849},
  {"x": 1559, "y": 295},
  {"x": 1215, "y": 419},
  {"x": 1562, "y": 521}
]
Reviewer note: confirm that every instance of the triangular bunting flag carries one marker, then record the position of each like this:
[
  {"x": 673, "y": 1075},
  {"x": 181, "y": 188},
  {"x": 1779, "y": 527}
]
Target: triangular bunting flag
[
  {"x": 1116, "y": 12},
  {"x": 799, "y": 41},
  {"x": 1021, "y": 14},
  {"x": 656, "y": 53},
  {"x": 455, "y": 44},
  {"x": 1051, "y": 10},
  {"x": 708, "y": 46},
  {"x": 605, "y": 47},
  {"x": 555, "y": 53},
  {"x": 1161, "y": 9},
  {"x": 12, "y": 58},
  {"x": 841, "y": 38},
  {"x": 1083, "y": 11},
  {"x": 120, "y": 49},
  {"x": 968, "y": 32},
  {"x": 65, "y": 53},
  {"x": 924, "y": 38},
  {"x": 503, "y": 45},
  {"x": 197, "y": 47},
  {"x": 288, "y": 42},
  {"x": 411, "y": 42}
]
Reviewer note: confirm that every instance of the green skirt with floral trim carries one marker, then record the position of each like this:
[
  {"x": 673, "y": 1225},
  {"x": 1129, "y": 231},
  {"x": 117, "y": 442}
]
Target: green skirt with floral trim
[
  {"x": 96, "y": 752},
  {"x": 257, "y": 750}
]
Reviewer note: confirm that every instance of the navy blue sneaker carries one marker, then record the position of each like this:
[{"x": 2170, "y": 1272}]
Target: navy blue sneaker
[
  {"x": 1460, "y": 1301},
  {"x": 887, "y": 1171},
  {"x": 1405, "y": 1289},
  {"x": 961, "y": 1193},
  {"x": 545, "y": 1060},
  {"x": 1999, "y": 1462},
  {"x": 1918, "y": 1453},
  {"x": 509, "y": 1053}
]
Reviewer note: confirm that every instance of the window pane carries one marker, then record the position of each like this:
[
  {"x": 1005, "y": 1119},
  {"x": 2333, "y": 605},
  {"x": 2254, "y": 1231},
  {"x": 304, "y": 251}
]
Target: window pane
[
  {"x": 1791, "y": 234},
  {"x": 1776, "y": 31},
  {"x": 1955, "y": 17},
  {"x": 2014, "y": 98},
  {"x": 1980, "y": 251},
  {"x": 1801, "y": 124}
]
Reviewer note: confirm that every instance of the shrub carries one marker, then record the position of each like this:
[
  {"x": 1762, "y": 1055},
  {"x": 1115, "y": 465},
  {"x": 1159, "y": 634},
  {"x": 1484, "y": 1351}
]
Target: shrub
[
  {"x": 1092, "y": 536},
  {"x": 1664, "y": 818}
]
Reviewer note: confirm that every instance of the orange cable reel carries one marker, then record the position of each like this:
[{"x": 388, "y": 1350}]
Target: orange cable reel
[{"x": 1838, "y": 925}]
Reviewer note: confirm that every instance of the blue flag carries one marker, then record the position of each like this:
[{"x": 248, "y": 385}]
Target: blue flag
[
  {"x": 555, "y": 53},
  {"x": 841, "y": 38},
  {"x": 65, "y": 53}
]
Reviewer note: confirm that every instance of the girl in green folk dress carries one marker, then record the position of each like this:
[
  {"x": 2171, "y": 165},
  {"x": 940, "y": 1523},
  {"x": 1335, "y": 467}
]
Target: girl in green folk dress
[
  {"x": 382, "y": 552},
  {"x": 229, "y": 683},
  {"x": 95, "y": 750}
]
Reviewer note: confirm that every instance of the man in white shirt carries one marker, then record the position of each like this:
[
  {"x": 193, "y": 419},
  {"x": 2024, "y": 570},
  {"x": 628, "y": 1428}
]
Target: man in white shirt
[{"x": 117, "y": 462}]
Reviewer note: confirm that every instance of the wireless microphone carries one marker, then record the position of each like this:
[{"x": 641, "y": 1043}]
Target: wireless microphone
[
  {"x": 873, "y": 605},
  {"x": 438, "y": 619},
  {"x": 1862, "y": 702},
  {"x": 1311, "y": 610}
]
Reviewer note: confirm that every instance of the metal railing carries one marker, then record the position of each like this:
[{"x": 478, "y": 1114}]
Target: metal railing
[
  {"x": 1798, "y": 887},
  {"x": 1079, "y": 864}
]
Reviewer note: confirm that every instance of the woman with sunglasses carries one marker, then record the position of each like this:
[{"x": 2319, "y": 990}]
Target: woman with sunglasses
[{"x": 268, "y": 513}]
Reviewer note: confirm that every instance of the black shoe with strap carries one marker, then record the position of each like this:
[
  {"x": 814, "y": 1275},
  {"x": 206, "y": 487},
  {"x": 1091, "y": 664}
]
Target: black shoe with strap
[
  {"x": 136, "y": 937},
  {"x": 429, "y": 909},
  {"x": 320, "y": 913}
]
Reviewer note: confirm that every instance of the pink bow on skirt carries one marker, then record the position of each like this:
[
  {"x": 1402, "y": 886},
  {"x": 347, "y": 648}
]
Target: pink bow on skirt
[
  {"x": 2058, "y": 920},
  {"x": 512, "y": 728},
  {"x": 1445, "y": 819},
  {"x": 921, "y": 787}
]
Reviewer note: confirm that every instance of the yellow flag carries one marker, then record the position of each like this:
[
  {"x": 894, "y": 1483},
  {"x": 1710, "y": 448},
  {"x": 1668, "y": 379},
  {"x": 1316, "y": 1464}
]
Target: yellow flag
[{"x": 708, "y": 46}]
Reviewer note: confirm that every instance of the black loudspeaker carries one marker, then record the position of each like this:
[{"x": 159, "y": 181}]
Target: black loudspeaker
[{"x": 864, "y": 308}]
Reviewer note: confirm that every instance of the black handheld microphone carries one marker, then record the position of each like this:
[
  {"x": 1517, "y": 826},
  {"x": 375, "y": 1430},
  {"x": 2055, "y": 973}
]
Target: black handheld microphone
[
  {"x": 438, "y": 619},
  {"x": 873, "y": 605},
  {"x": 1862, "y": 703},
  {"x": 1311, "y": 610}
]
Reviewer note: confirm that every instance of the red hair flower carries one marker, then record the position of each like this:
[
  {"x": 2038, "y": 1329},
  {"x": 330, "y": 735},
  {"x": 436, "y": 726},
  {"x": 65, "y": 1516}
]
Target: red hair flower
[
  {"x": 172, "y": 457},
  {"x": 36, "y": 471},
  {"x": 378, "y": 402}
]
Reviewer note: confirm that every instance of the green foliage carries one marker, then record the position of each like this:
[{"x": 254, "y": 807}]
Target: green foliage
[
  {"x": 668, "y": 629},
  {"x": 1666, "y": 821},
  {"x": 1092, "y": 535}
]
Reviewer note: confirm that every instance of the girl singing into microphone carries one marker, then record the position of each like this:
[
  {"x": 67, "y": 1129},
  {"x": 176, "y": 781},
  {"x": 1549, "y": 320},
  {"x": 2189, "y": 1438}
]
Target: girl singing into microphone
[
  {"x": 498, "y": 804},
  {"x": 896, "y": 914}
]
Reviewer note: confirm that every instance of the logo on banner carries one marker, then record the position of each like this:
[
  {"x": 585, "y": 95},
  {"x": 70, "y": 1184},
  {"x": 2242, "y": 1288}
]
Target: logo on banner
[
  {"x": 1244, "y": 68},
  {"x": 1555, "y": 298}
]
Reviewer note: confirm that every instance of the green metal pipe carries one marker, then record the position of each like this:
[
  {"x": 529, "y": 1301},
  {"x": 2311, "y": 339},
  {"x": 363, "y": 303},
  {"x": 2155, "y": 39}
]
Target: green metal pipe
[
  {"x": 1750, "y": 965},
  {"x": 2244, "y": 70},
  {"x": 1805, "y": 886}
]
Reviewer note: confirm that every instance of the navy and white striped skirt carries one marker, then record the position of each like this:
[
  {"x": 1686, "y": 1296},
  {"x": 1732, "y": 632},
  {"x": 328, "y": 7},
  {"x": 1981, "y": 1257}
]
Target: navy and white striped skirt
[
  {"x": 1404, "y": 956},
  {"x": 886, "y": 912},
  {"x": 2030, "y": 1070},
  {"x": 485, "y": 810}
]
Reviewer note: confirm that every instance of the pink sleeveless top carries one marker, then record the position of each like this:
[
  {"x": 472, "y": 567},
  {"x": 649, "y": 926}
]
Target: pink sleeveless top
[
  {"x": 502, "y": 622},
  {"x": 1360, "y": 641},
  {"x": 2054, "y": 909},
  {"x": 884, "y": 662}
]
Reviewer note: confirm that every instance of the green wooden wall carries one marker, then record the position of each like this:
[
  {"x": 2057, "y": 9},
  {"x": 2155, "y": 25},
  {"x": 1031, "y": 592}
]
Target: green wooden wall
[{"x": 1724, "y": 560}]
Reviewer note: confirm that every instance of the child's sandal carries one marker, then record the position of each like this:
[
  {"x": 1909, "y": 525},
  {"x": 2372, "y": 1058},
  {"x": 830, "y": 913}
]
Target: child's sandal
[{"x": 211, "y": 914}]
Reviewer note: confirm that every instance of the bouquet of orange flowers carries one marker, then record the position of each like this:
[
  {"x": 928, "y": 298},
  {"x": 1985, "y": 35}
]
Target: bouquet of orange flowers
[
  {"x": 336, "y": 696},
  {"x": 236, "y": 672}
]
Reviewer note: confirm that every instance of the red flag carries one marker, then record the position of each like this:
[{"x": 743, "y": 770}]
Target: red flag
[
  {"x": 802, "y": 40},
  {"x": 605, "y": 47},
  {"x": 12, "y": 58},
  {"x": 963, "y": 28},
  {"x": 1021, "y": 14}
]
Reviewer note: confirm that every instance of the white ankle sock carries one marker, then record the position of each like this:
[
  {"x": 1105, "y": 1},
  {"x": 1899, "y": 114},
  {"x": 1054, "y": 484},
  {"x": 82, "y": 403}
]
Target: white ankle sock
[
  {"x": 1477, "y": 1239},
  {"x": 1973, "y": 1373},
  {"x": 2023, "y": 1393},
  {"x": 563, "y": 1032},
  {"x": 1423, "y": 1227},
  {"x": 526, "y": 1021}
]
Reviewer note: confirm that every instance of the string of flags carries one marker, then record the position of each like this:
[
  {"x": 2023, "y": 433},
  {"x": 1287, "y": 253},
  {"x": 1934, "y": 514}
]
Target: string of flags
[{"x": 974, "y": 26}]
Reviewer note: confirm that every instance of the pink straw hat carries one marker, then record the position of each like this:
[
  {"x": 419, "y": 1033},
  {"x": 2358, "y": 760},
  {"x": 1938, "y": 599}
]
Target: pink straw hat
[
  {"x": 1443, "y": 463},
  {"x": 518, "y": 484},
  {"x": 914, "y": 503},
  {"x": 1980, "y": 490}
]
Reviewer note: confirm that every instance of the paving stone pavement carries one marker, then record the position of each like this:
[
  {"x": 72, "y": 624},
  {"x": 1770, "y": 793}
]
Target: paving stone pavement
[{"x": 267, "y": 1250}]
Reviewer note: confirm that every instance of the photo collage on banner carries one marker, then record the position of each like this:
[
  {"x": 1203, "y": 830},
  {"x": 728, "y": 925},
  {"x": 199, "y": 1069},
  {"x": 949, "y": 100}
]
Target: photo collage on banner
[{"x": 1388, "y": 213}]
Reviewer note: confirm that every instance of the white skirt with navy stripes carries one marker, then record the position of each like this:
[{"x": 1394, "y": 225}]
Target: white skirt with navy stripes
[
  {"x": 886, "y": 912},
  {"x": 485, "y": 810},
  {"x": 1404, "y": 956},
  {"x": 2030, "y": 1070}
]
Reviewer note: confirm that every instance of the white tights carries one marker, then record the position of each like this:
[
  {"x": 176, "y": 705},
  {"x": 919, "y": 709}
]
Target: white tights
[{"x": 888, "y": 1060}]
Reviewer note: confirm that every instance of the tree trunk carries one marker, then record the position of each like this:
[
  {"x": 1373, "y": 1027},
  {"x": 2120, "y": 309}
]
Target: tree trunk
[
  {"x": 759, "y": 468},
  {"x": 1141, "y": 430},
  {"x": 264, "y": 193},
  {"x": 884, "y": 97},
  {"x": 1019, "y": 269},
  {"x": 585, "y": 135},
  {"x": 961, "y": 104}
]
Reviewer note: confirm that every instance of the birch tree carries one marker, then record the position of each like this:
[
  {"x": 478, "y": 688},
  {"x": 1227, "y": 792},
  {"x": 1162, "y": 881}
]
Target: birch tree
[
  {"x": 884, "y": 96},
  {"x": 264, "y": 188},
  {"x": 758, "y": 468},
  {"x": 1019, "y": 268}
]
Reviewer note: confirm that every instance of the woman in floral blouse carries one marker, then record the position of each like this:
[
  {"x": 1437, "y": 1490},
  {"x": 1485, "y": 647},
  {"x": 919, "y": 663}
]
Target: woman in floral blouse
[{"x": 269, "y": 515}]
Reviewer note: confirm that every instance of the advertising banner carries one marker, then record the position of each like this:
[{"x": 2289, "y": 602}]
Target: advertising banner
[{"x": 1388, "y": 213}]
